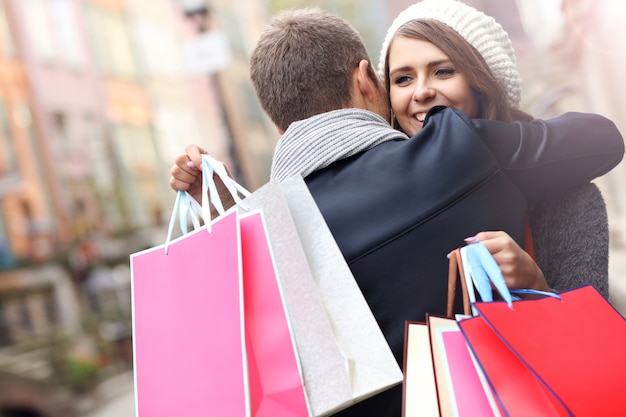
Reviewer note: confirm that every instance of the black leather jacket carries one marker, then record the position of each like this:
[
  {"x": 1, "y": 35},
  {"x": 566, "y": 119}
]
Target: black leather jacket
[{"x": 397, "y": 209}]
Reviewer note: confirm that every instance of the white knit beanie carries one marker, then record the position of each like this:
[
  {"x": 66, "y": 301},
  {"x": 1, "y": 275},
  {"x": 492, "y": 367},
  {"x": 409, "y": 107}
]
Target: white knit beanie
[{"x": 478, "y": 29}]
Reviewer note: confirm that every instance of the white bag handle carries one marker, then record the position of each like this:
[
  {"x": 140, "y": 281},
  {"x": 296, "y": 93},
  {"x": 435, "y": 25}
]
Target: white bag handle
[
  {"x": 185, "y": 206},
  {"x": 211, "y": 165}
]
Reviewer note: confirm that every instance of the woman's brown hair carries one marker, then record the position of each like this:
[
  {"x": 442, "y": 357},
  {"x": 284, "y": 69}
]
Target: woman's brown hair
[{"x": 490, "y": 94}]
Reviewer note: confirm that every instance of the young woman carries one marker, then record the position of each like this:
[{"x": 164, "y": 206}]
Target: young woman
[
  {"x": 475, "y": 46},
  {"x": 443, "y": 52}
]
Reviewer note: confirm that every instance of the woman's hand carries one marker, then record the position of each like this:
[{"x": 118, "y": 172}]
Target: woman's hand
[{"x": 518, "y": 268}]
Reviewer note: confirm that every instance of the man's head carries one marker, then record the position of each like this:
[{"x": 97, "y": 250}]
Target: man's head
[{"x": 308, "y": 62}]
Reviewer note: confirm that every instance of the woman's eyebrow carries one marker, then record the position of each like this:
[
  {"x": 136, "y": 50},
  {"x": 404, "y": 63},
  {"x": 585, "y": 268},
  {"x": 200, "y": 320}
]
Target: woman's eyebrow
[{"x": 431, "y": 64}]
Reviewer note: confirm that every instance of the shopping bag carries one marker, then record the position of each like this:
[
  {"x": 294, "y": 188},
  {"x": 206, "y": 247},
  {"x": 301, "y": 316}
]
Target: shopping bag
[
  {"x": 524, "y": 394},
  {"x": 323, "y": 366},
  {"x": 517, "y": 388},
  {"x": 269, "y": 377},
  {"x": 441, "y": 375},
  {"x": 573, "y": 347},
  {"x": 459, "y": 380},
  {"x": 419, "y": 388},
  {"x": 343, "y": 354},
  {"x": 275, "y": 380},
  {"x": 188, "y": 334},
  {"x": 461, "y": 384},
  {"x": 530, "y": 350}
]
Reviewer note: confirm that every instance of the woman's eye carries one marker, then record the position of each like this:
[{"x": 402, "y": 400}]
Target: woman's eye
[
  {"x": 445, "y": 72},
  {"x": 402, "y": 79}
]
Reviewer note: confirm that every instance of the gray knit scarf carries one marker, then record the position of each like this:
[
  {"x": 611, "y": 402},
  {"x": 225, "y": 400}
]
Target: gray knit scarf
[{"x": 317, "y": 142}]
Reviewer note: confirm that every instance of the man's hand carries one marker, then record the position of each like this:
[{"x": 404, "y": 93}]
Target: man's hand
[{"x": 186, "y": 175}]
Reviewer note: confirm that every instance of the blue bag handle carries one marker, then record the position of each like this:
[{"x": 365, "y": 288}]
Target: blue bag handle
[{"x": 486, "y": 272}]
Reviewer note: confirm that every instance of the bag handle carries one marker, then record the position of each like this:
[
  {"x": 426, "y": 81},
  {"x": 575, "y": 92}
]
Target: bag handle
[
  {"x": 210, "y": 195},
  {"x": 485, "y": 275},
  {"x": 456, "y": 274},
  {"x": 186, "y": 207}
]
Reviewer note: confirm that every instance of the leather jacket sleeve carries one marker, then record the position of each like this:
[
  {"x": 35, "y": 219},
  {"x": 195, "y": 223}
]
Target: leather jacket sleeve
[{"x": 542, "y": 156}]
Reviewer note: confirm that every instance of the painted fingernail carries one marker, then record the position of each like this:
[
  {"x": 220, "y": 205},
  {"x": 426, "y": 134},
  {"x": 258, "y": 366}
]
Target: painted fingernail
[
  {"x": 190, "y": 164},
  {"x": 472, "y": 239}
]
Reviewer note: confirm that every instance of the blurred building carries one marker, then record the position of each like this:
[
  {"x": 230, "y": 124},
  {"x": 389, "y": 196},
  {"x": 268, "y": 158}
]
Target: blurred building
[
  {"x": 227, "y": 31},
  {"x": 24, "y": 197},
  {"x": 96, "y": 99}
]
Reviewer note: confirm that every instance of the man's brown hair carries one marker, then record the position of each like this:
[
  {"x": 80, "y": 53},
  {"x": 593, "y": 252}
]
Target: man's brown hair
[{"x": 302, "y": 65}]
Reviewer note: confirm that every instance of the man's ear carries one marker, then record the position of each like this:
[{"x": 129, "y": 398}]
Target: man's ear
[
  {"x": 364, "y": 82},
  {"x": 280, "y": 131}
]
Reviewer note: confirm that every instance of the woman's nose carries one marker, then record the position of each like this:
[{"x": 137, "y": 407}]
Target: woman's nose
[{"x": 423, "y": 92}]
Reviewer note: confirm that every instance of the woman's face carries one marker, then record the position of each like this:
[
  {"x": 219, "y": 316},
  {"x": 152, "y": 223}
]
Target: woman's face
[{"x": 422, "y": 76}]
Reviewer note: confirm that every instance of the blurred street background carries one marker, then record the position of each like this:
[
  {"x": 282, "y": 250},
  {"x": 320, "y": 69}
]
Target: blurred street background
[{"x": 97, "y": 97}]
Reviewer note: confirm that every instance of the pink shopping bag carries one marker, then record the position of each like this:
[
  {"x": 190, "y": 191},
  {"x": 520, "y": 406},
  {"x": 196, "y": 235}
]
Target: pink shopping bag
[
  {"x": 342, "y": 353},
  {"x": 188, "y": 334},
  {"x": 441, "y": 376},
  {"x": 276, "y": 387}
]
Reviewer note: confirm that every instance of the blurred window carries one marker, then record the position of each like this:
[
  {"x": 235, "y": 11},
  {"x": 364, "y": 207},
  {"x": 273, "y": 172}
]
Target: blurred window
[
  {"x": 232, "y": 25},
  {"x": 100, "y": 157},
  {"x": 8, "y": 167},
  {"x": 104, "y": 174},
  {"x": 6, "y": 40},
  {"x": 23, "y": 120},
  {"x": 176, "y": 125},
  {"x": 62, "y": 154},
  {"x": 66, "y": 34},
  {"x": 27, "y": 314},
  {"x": 111, "y": 41},
  {"x": 140, "y": 172},
  {"x": 159, "y": 49},
  {"x": 52, "y": 28},
  {"x": 8, "y": 158},
  {"x": 6, "y": 258},
  {"x": 38, "y": 28}
]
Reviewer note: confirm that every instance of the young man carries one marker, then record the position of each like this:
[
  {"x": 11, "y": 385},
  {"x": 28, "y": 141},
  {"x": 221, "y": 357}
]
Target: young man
[{"x": 395, "y": 206}]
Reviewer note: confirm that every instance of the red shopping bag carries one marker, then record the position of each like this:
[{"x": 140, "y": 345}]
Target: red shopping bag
[
  {"x": 517, "y": 388},
  {"x": 569, "y": 352},
  {"x": 188, "y": 335}
]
